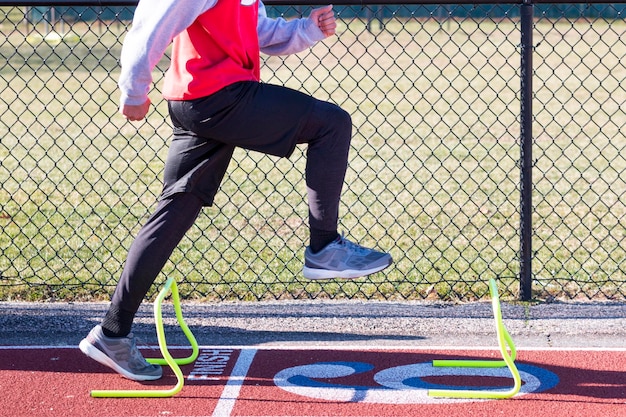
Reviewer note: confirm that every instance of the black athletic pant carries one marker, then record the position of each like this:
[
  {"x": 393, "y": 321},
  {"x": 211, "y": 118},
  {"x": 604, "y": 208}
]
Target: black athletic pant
[{"x": 255, "y": 116}]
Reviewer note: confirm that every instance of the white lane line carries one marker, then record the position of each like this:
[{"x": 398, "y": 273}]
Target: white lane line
[
  {"x": 340, "y": 347},
  {"x": 231, "y": 391}
]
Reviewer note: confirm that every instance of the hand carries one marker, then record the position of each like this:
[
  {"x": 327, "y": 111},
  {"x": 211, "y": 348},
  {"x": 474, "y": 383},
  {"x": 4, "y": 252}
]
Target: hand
[
  {"x": 324, "y": 18},
  {"x": 138, "y": 112}
]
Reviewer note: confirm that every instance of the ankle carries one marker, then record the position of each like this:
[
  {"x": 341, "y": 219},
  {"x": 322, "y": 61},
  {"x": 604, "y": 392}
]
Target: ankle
[
  {"x": 321, "y": 238},
  {"x": 117, "y": 322}
]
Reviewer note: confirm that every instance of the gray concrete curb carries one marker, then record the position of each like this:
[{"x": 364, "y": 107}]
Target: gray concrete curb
[{"x": 333, "y": 323}]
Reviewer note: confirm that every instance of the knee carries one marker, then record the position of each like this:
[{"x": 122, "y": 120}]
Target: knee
[
  {"x": 343, "y": 121},
  {"x": 340, "y": 123},
  {"x": 328, "y": 125}
]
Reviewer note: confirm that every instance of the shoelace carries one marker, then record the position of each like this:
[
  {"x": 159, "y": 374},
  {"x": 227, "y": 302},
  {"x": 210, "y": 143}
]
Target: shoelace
[
  {"x": 135, "y": 355},
  {"x": 353, "y": 246}
]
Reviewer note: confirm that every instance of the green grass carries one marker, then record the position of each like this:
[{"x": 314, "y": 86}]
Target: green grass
[{"x": 433, "y": 174}]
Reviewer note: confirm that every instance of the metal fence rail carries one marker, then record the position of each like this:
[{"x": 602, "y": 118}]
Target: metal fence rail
[{"x": 488, "y": 143}]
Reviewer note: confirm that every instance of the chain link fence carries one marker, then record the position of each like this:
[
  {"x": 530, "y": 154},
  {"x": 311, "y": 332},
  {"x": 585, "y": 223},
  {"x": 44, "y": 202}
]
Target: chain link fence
[{"x": 434, "y": 175}]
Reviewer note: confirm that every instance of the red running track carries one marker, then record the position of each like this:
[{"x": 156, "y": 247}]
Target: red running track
[{"x": 311, "y": 382}]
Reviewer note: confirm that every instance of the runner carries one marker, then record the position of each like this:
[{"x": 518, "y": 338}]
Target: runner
[{"x": 217, "y": 103}]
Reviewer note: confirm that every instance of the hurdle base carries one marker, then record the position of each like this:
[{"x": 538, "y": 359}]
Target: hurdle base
[
  {"x": 505, "y": 342},
  {"x": 167, "y": 358}
]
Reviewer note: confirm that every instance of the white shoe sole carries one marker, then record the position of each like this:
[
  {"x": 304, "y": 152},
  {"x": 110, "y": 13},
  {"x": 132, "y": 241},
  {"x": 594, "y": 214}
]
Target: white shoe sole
[
  {"x": 95, "y": 354},
  {"x": 314, "y": 273}
]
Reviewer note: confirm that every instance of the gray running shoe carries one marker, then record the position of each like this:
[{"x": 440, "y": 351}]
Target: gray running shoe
[
  {"x": 343, "y": 259},
  {"x": 120, "y": 354}
]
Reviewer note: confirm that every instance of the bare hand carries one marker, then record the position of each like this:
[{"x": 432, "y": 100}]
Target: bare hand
[
  {"x": 138, "y": 112},
  {"x": 324, "y": 18}
]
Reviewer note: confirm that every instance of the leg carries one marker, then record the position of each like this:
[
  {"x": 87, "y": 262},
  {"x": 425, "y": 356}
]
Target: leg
[
  {"x": 112, "y": 344},
  {"x": 151, "y": 249},
  {"x": 272, "y": 120},
  {"x": 328, "y": 132},
  {"x": 193, "y": 171}
]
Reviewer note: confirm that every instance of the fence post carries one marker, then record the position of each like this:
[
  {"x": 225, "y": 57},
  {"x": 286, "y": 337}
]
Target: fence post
[{"x": 526, "y": 162}]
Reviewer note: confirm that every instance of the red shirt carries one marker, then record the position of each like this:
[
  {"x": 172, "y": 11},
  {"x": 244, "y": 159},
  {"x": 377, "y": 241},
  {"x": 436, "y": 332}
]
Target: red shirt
[{"x": 220, "y": 47}]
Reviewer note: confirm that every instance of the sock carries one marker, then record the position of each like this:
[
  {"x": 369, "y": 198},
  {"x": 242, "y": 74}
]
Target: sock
[
  {"x": 117, "y": 322},
  {"x": 321, "y": 238}
]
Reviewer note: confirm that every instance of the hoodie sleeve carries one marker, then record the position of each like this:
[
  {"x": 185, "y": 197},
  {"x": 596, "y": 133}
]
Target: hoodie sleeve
[
  {"x": 280, "y": 37},
  {"x": 155, "y": 24}
]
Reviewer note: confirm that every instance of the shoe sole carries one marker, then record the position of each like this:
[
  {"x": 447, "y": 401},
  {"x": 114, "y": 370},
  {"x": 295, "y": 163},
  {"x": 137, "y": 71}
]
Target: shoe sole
[
  {"x": 315, "y": 273},
  {"x": 97, "y": 355}
]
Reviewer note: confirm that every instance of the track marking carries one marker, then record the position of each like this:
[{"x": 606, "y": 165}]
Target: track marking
[{"x": 231, "y": 391}]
